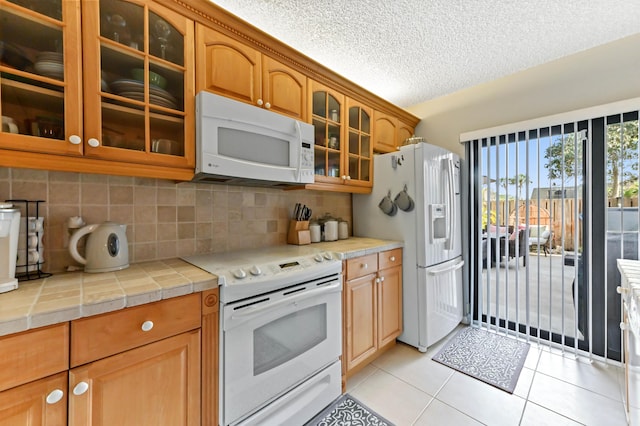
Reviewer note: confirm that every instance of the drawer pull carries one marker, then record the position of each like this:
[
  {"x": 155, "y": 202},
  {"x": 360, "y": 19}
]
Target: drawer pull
[
  {"x": 54, "y": 396},
  {"x": 80, "y": 388},
  {"x": 147, "y": 325},
  {"x": 393, "y": 258},
  {"x": 381, "y": 279},
  {"x": 365, "y": 266}
]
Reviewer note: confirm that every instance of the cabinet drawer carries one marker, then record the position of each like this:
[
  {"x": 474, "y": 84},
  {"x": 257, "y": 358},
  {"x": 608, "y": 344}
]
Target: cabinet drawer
[
  {"x": 390, "y": 258},
  {"x": 361, "y": 266},
  {"x": 33, "y": 354},
  {"x": 100, "y": 336}
]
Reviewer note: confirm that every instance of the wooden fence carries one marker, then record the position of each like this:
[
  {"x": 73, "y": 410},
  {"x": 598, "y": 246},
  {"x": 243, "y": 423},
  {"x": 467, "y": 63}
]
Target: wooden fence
[{"x": 549, "y": 212}]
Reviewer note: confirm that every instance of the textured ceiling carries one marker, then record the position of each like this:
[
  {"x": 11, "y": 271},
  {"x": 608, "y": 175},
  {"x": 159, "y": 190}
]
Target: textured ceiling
[{"x": 411, "y": 51}]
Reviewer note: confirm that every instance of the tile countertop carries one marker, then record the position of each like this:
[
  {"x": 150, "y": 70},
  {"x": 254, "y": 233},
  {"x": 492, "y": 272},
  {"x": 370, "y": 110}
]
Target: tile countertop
[
  {"x": 357, "y": 246},
  {"x": 68, "y": 296}
]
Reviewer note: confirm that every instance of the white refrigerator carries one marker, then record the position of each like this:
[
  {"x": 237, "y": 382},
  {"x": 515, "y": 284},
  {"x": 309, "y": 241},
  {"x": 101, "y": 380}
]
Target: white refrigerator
[{"x": 430, "y": 228}]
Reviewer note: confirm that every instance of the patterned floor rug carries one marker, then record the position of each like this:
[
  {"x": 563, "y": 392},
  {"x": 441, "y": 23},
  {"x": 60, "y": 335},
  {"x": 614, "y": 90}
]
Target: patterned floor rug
[
  {"x": 484, "y": 355},
  {"x": 348, "y": 411}
]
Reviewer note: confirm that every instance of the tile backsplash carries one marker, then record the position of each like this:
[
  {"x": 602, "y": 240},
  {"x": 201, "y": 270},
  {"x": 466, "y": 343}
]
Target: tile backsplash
[{"x": 164, "y": 219}]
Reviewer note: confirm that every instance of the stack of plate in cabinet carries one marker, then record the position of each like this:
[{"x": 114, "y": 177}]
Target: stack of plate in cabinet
[
  {"x": 134, "y": 89},
  {"x": 50, "y": 64}
]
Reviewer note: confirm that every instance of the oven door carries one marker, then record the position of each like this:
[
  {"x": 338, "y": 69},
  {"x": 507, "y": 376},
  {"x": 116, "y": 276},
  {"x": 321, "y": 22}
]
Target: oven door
[{"x": 274, "y": 342}]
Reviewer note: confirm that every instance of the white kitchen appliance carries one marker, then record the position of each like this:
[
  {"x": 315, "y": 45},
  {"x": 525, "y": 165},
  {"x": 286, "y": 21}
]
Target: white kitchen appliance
[
  {"x": 242, "y": 144},
  {"x": 107, "y": 248},
  {"x": 280, "y": 333},
  {"x": 430, "y": 229},
  {"x": 9, "y": 230}
]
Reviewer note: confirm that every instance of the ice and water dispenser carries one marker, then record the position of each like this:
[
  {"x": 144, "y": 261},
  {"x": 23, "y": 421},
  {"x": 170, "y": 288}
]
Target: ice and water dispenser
[{"x": 438, "y": 215}]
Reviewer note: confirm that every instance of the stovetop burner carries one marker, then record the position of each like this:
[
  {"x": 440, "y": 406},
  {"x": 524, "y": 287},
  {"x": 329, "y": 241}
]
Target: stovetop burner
[{"x": 248, "y": 273}]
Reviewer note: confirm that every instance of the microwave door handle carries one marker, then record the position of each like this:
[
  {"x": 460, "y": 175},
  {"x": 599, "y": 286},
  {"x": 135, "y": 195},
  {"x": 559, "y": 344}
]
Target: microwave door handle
[{"x": 298, "y": 145}]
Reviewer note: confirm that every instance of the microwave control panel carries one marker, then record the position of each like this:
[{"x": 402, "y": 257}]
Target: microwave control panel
[{"x": 306, "y": 160}]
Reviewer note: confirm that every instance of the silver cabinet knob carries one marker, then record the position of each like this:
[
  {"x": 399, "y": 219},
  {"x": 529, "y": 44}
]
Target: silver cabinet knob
[
  {"x": 267, "y": 105},
  {"x": 260, "y": 102},
  {"x": 365, "y": 266},
  {"x": 80, "y": 388},
  {"x": 54, "y": 396},
  {"x": 93, "y": 142},
  {"x": 393, "y": 258},
  {"x": 75, "y": 139},
  {"x": 147, "y": 325}
]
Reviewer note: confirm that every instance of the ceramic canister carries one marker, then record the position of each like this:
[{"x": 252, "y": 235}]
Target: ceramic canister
[
  {"x": 331, "y": 230},
  {"x": 316, "y": 234},
  {"x": 343, "y": 230}
]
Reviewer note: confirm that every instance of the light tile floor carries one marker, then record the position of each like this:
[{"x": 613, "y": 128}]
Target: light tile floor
[{"x": 408, "y": 388}]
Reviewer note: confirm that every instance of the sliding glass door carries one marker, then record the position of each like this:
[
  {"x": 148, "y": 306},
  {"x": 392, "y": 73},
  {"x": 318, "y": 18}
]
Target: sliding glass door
[{"x": 553, "y": 207}]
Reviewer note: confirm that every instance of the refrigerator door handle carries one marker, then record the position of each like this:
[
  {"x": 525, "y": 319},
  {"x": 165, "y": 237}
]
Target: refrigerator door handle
[
  {"x": 433, "y": 271},
  {"x": 448, "y": 245}
]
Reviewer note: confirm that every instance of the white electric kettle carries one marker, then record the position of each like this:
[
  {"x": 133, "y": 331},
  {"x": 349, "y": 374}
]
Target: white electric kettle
[{"x": 106, "y": 248}]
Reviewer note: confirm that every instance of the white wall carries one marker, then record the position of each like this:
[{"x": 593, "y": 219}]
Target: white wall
[{"x": 601, "y": 75}]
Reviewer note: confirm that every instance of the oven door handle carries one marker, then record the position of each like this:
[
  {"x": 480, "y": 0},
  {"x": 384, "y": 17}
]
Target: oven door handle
[{"x": 251, "y": 310}]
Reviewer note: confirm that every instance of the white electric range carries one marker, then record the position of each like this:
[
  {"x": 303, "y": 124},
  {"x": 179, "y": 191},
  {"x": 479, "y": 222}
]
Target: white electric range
[{"x": 280, "y": 332}]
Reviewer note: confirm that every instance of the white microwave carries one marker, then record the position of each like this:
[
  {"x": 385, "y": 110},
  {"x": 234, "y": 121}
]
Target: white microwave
[{"x": 242, "y": 144}]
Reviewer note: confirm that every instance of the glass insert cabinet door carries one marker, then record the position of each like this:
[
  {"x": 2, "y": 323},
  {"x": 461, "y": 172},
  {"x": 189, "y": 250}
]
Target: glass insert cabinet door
[
  {"x": 136, "y": 82},
  {"x": 327, "y": 118},
  {"x": 40, "y": 69},
  {"x": 360, "y": 149}
]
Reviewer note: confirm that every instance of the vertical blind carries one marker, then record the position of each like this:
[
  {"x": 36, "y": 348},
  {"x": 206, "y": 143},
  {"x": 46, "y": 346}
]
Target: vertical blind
[{"x": 554, "y": 203}]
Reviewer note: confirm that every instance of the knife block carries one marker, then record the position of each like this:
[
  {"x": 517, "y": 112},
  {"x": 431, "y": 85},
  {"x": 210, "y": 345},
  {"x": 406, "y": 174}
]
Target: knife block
[{"x": 299, "y": 232}]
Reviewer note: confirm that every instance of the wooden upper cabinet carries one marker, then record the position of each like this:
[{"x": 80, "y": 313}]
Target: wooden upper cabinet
[
  {"x": 230, "y": 68},
  {"x": 385, "y": 129},
  {"x": 138, "y": 83},
  {"x": 326, "y": 107},
  {"x": 404, "y": 131},
  {"x": 41, "y": 77},
  {"x": 359, "y": 149},
  {"x": 342, "y": 142},
  {"x": 284, "y": 89},
  {"x": 227, "y": 67},
  {"x": 102, "y": 80}
]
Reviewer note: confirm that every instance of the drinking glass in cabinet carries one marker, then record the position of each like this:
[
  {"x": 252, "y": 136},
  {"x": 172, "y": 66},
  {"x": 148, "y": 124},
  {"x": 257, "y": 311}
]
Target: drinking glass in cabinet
[
  {"x": 165, "y": 41},
  {"x": 122, "y": 22}
]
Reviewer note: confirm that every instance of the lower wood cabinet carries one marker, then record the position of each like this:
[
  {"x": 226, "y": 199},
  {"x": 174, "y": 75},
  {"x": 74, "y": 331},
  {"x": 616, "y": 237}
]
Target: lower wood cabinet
[
  {"x": 33, "y": 376},
  {"x": 372, "y": 307},
  {"x": 156, "y": 384},
  {"x": 154, "y": 364},
  {"x": 41, "y": 402}
]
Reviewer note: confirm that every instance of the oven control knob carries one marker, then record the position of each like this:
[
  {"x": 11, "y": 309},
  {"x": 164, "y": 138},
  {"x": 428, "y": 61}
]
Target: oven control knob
[
  {"x": 318, "y": 258},
  {"x": 255, "y": 270},
  {"x": 327, "y": 255},
  {"x": 239, "y": 273}
]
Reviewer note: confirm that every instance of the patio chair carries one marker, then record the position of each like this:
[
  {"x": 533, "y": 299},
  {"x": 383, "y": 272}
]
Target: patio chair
[
  {"x": 540, "y": 236},
  {"x": 508, "y": 247}
]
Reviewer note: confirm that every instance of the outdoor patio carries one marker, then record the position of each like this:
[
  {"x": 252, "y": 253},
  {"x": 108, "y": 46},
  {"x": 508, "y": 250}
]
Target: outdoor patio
[{"x": 546, "y": 304}]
